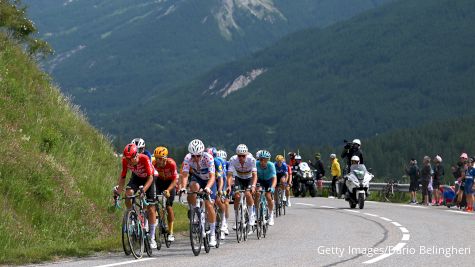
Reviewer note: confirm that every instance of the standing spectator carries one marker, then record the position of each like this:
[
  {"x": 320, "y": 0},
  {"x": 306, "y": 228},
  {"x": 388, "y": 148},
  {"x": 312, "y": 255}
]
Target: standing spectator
[
  {"x": 318, "y": 165},
  {"x": 426, "y": 175},
  {"x": 459, "y": 175},
  {"x": 438, "y": 178},
  {"x": 469, "y": 185},
  {"x": 413, "y": 172},
  {"x": 336, "y": 172}
]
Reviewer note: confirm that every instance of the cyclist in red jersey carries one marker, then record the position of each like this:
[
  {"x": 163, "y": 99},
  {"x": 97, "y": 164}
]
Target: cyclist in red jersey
[
  {"x": 142, "y": 175},
  {"x": 166, "y": 182}
]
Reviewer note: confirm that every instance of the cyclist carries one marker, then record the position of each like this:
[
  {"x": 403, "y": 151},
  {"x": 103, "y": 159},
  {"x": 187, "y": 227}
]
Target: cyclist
[
  {"x": 267, "y": 178},
  {"x": 220, "y": 185},
  {"x": 243, "y": 168},
  {"x": 165, "y": 182},
  {"x": 140, "y": 143},
  {"x": 221, "y": 154},
  {"x": 201, "y": 165},
  {"x": 142, "y": 175},
  {"x": 282, "y": 171}
]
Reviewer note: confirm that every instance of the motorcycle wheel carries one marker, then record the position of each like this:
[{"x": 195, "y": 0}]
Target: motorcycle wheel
[
  {"x": 303, "y": 190},
  {"x": 352, "y": 205},
  {"x": 361, "y": 201},
  {"x": 313, "y": 190},
  {"x": 295, "y": 190}
]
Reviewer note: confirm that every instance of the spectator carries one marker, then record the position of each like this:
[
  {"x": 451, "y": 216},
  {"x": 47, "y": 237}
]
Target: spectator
[
  {"x": 459, "y": 175},
  {"x": 318, "y": 165},
  {"x": 413, "y": 172},
  {"x": 336, "y": 172},
  {"x": 438, "y": 178},
  {"x": 469, "y": 185},
  {"x": 425, "y": 179}
]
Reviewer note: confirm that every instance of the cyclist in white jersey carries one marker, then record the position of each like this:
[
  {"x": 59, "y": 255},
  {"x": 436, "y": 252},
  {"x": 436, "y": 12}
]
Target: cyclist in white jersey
[
  {"x": 201, "y": 167},
  {"x": 243, "y": 168}
]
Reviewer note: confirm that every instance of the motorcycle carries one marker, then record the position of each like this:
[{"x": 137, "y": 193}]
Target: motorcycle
[
  {"x": 304, "y": 179},
  {"x": 357, "y": 184}
]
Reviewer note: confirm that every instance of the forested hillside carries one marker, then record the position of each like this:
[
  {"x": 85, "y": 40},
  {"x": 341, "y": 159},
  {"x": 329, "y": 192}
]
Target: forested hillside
[{"x": 399, "y": 66}]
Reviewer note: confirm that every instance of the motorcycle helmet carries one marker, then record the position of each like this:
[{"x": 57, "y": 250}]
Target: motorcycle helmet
[
  {"x": 357, "y": 142},
  {"x": 298, "y": 159},
  {"x": 355, "y": 160}
]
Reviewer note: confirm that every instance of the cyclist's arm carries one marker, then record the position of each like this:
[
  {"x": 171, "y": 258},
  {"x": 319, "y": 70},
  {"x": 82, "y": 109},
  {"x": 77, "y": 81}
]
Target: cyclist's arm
[
  {"x": 274, "y": 181},
  {"x": 211, "y": 180},
  {"x": 184, "y": 179},
  {"x": 230, "y": 179},
  {"x": 220, "y": 184},
  {"x": 172, "y": 185},
  {"x": 121, "y": 181},
  {"x": 254, "y": 179},
  {"x": 148, "y": 183}
]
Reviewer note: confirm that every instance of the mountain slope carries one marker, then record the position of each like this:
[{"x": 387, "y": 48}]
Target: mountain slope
[
  {"x": 56, "y": 170},
  {"x": 106, "y": 49},
  {"x": 397, "y": 66}
]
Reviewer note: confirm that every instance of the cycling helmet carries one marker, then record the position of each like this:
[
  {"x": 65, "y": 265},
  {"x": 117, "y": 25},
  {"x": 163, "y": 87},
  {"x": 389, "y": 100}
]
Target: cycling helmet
[
  {"x": 241, "y": 149},
  {"x": 292, "y": 155},
  {"x": 130, "y": 151},
  {"x": 139, "y": 142},
  {"x": 224, "y": 155},
  {"x": 264, "y": 154},
  {"x": 212, "y": 151},
  {"x": 160, "y": 152},
  {"x": 357, "y": 141},
  {"x": 258, "y": 154},
  {"x": 355, "y": 158},
  {"x": 279, "y": 158},
  {"x": 196, "y": 147},
  {"x": 438, "y": 158}
]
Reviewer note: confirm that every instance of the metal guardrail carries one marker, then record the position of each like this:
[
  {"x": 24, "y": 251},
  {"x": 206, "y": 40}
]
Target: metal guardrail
[{"x": 377, "y": 186}]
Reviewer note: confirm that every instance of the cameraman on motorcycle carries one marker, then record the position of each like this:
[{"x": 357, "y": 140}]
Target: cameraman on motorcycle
[{"x": 350, "y": 150}]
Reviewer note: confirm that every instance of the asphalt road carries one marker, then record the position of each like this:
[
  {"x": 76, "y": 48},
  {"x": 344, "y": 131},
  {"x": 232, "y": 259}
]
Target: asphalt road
[{"x": 325, "y": 232}]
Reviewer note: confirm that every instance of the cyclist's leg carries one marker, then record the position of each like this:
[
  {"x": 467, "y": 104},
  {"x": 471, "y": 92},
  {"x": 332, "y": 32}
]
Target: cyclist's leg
[
  {"x": 151, "y": 195},
  {"x": 194, "y": 187},
  {"x": 250, "y": 202},
  {"x": 131, "y": 188},
  {"x": 171, "y": 214}
]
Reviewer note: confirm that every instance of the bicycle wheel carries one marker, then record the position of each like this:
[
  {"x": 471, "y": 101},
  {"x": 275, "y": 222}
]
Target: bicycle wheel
[
  {"x": 284, "y": 203},
  {"x": 158, "y": 238},
  {"x": 148, "y": 249},
  {"x": 164, "y": 228},
  {"x": 195, "y": 231},
  {"x": 276, "y": 203},
  {"x": 206, "y": 238},
  {"x": 135, "y": 234},
  {"x": 265, "y": 224},
  {"x": 125, "y": 241},
  {"x": 217, "y": 230},
  {"x": 247, "y": 227},
  {"x": 239, "y": 224},
  {"x": 259, "y": 220}
]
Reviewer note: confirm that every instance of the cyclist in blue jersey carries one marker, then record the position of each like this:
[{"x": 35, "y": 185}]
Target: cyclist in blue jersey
[
  {"x": 267, "y": 178},
  {"x": 220, "y": 185},
  {"x": 282, "y": 170},
  {"x": 222, "y": 155}
]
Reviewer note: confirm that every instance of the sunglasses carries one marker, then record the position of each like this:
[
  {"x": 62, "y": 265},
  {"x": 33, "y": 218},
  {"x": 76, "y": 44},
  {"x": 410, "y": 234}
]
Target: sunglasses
[
  {"x": 241, "y": 156},
  {"x": 195, "y": 156}
]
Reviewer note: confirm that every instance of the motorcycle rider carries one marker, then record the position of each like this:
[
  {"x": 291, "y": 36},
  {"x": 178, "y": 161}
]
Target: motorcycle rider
[
  {"x": 355, "y": 161},
  {"x": 350, "y": 150}
]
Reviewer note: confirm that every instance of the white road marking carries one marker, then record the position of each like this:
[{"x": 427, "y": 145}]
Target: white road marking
[
  {"x": 355, "y": 211},
  {"x": 403, "y": 229},
  {"x": 370, "y": 214},
  {"x": 406, "y": 237},
  {"x": 386, "y": 219},
  {"x": 305, "y": 204},
  {"x": 327, "y": 207},
  {"x": 396, "y": 223},
  {"x": 125, "y": 262},
  {"x": 460, "y": 212},
  {"x": 417, "y": 207},
  {"x": 398, "y": 247}
]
